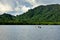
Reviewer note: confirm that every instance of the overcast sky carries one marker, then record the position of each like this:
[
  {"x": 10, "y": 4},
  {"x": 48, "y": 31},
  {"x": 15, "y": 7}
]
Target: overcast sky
[{"x": 16, "y": 7}]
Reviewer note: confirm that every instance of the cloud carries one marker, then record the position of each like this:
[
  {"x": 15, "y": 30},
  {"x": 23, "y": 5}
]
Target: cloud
[
  {"x": 5, "y": 8},
  {"x": 21, "y": 6},
  {"x": 48, "y": 1},
  {"x": 24, "y": 8},
  {"x": 21, "y": 9},
  {"x": 32, "y": 2}
]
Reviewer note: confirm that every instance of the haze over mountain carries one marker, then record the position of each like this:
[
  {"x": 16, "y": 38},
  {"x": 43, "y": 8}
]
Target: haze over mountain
[{"x": 43, "y": 14}]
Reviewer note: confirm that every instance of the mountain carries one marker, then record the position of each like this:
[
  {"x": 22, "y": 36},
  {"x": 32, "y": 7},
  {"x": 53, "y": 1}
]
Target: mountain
[
  {"x": 48, "y": 14},
  {"x": 6, "y": 18},
  {"x": 43, "y": 14}
]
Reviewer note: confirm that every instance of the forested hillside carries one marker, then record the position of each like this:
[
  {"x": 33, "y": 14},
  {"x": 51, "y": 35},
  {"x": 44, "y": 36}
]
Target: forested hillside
[{"x": 48, "y": 14}]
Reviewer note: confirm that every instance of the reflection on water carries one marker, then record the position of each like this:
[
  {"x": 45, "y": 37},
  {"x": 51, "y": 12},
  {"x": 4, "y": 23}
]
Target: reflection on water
[{"x": 29, "y": 32}]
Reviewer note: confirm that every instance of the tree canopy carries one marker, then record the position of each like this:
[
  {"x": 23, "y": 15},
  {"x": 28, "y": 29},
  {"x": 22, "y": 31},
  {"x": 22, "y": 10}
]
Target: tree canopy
[{"x": 48, "y": 14}]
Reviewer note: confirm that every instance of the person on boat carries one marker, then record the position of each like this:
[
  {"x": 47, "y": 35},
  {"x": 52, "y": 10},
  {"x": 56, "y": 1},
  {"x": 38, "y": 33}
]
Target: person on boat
[{"x": 39, "y": 26}]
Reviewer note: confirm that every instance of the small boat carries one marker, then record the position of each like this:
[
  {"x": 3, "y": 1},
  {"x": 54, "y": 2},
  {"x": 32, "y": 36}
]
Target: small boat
[{"x": 39, "y": 26}]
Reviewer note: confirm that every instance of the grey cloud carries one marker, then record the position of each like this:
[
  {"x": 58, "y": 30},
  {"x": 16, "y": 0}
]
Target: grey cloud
[
  {"x": 19, "y": 4},
  {"x": 48, "y": 1}
]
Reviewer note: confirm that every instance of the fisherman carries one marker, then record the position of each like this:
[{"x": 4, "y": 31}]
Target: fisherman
[{"x": 39, "y": 26}]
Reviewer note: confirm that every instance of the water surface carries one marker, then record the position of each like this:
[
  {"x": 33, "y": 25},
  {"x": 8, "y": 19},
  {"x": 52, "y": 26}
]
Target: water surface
[{"x": 29, "y": 32}]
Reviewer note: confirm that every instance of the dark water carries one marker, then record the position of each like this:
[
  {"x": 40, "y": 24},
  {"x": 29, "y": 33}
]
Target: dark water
[{"x": 29, "y": 32}]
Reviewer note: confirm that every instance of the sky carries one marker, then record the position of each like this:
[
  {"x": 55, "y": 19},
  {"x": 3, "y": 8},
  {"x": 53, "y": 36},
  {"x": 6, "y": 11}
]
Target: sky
[{"x": 16, "y": 7}]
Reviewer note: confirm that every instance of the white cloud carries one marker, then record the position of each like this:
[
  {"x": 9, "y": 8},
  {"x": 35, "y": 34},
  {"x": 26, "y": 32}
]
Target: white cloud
[
  {"x": 24, "y": 8},
  {"x": 21, "y": 6},
  {"x": 21, "y": 9},
  {"x": 5, "y": 8}
]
